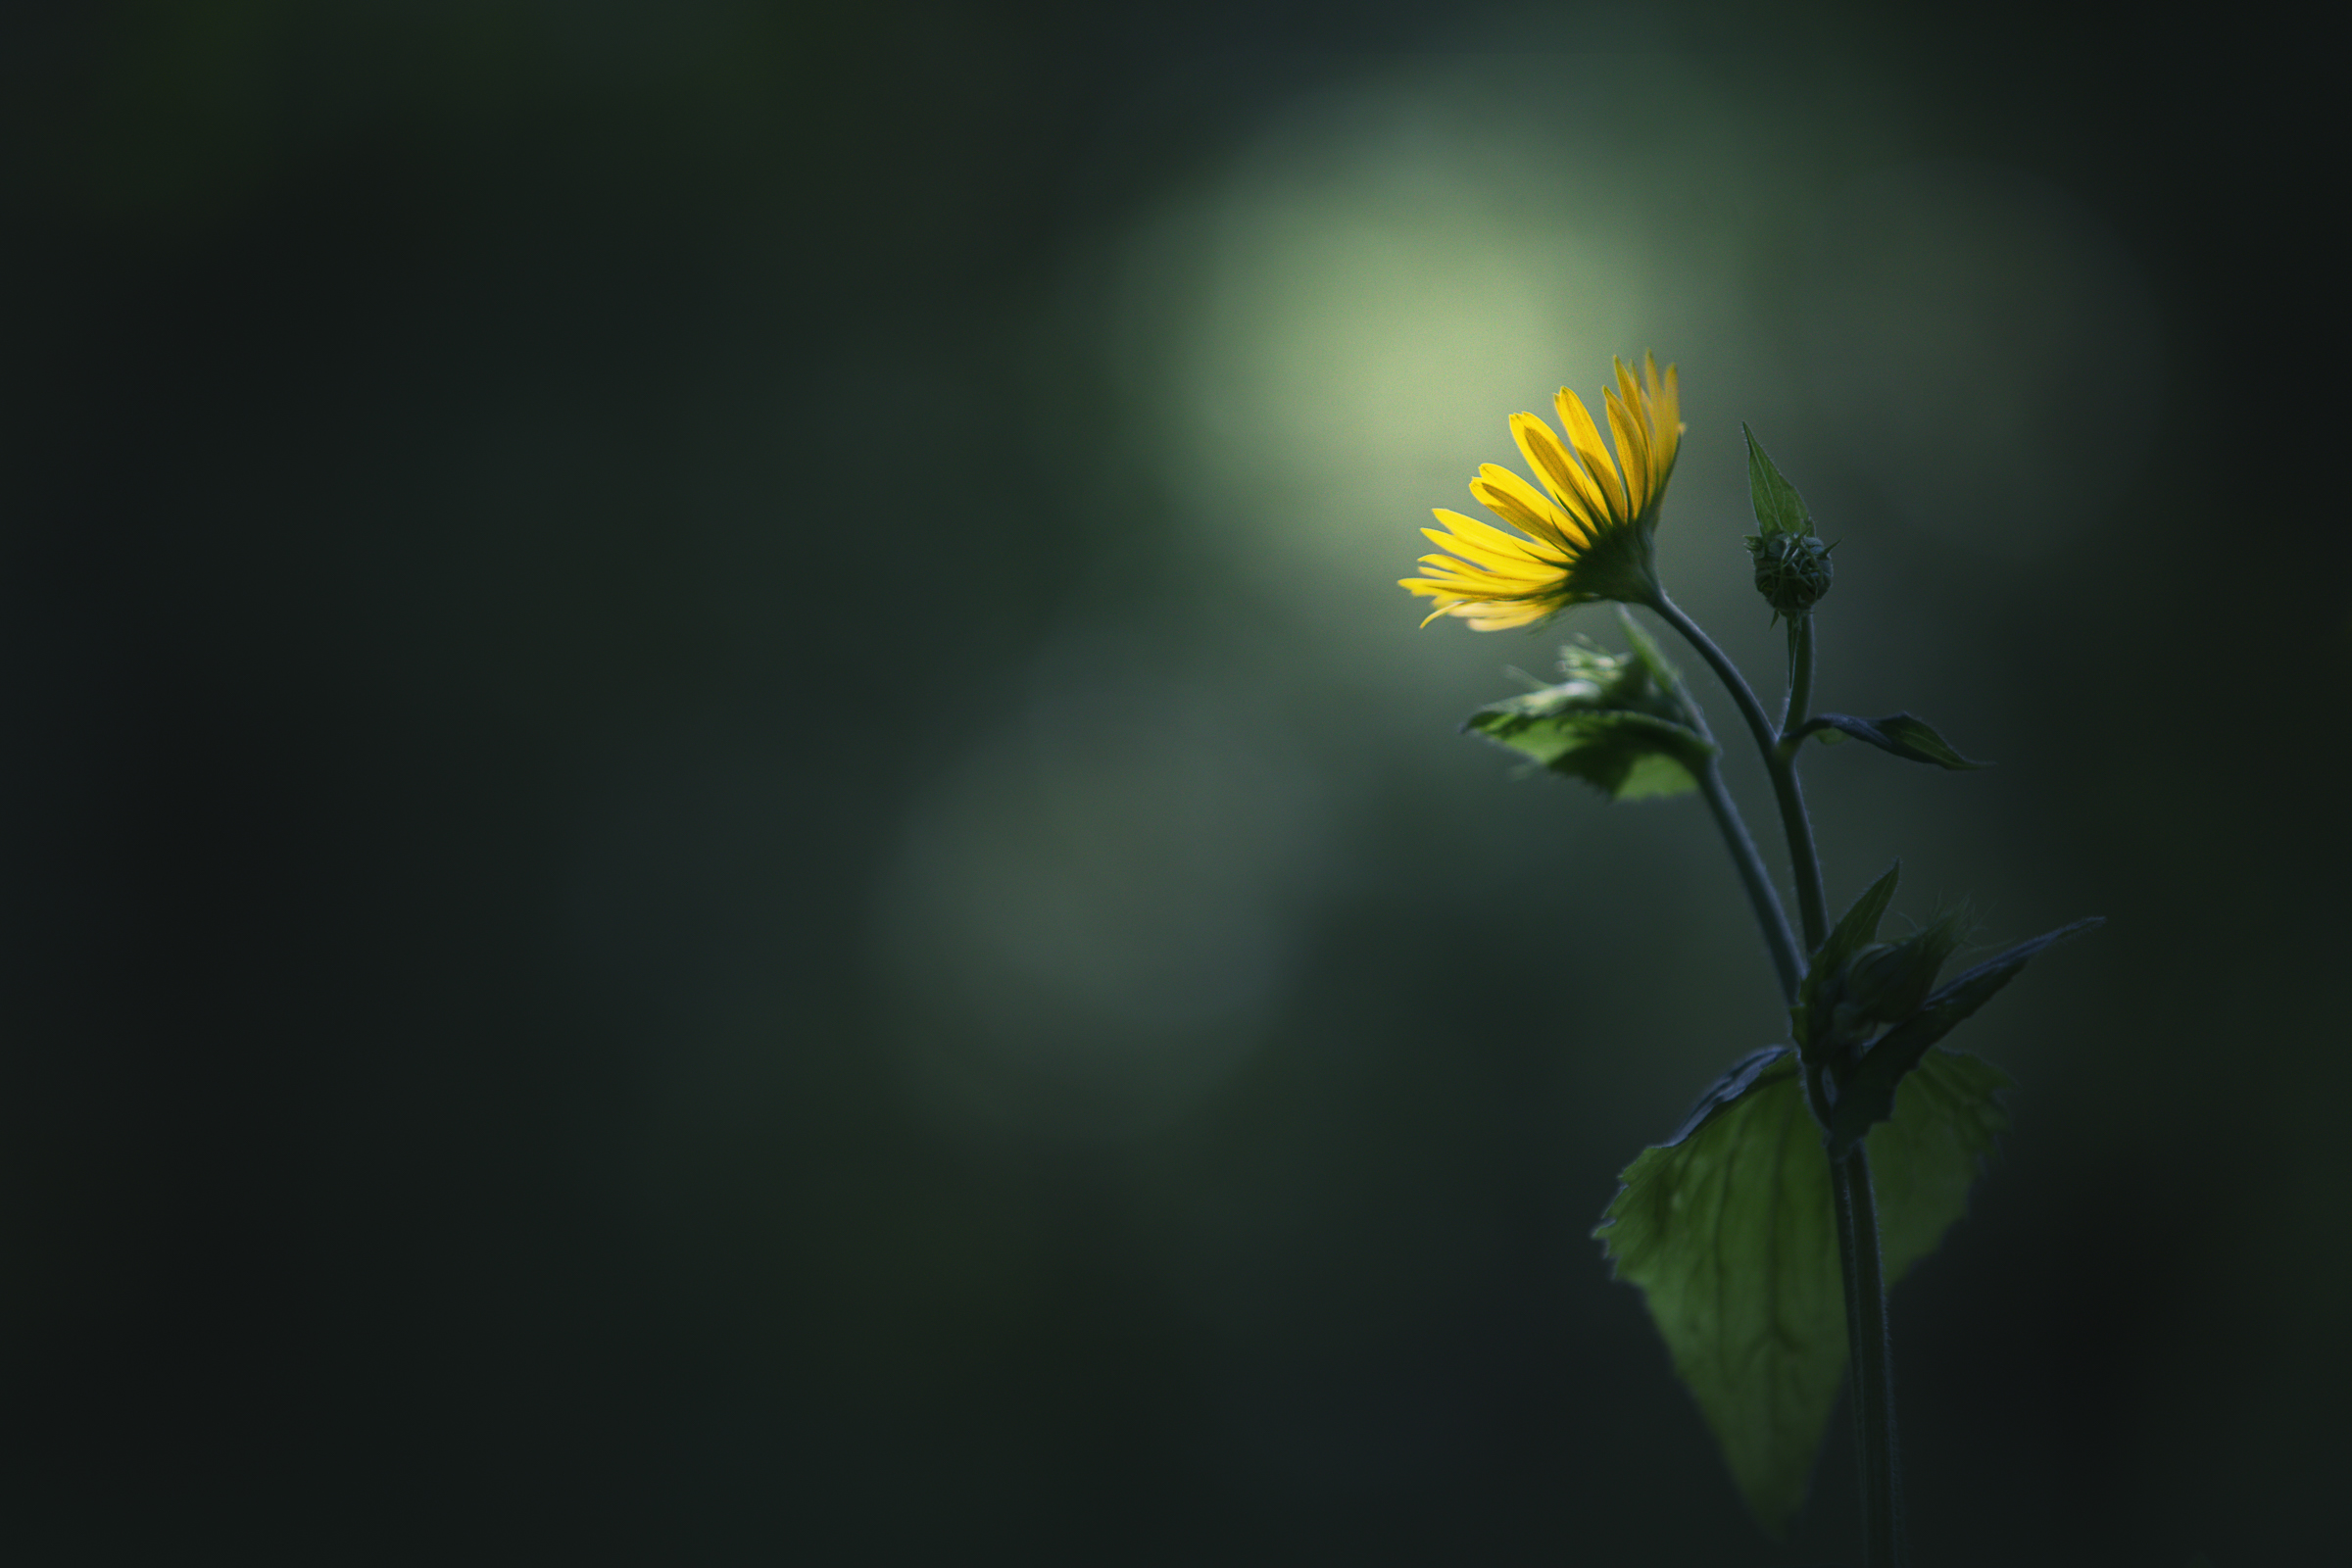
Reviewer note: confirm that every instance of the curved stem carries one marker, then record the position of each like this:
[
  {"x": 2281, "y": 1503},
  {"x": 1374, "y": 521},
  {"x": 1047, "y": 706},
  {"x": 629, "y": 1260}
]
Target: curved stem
[
  {"x": 1788, "y": 961},
  {"x": 1873, "y": 1359},
  {"x": 1759, "y": 722},
  {"x": 1804, "y": 861},
  {"x": 1788, "y": 964}
]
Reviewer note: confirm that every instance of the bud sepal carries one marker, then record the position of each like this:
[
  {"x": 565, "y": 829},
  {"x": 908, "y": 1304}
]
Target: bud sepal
[{"x": 1793, "y": 569}]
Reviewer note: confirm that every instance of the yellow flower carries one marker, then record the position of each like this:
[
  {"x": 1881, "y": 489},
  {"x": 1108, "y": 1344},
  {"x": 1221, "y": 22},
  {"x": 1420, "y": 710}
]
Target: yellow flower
[{"x": 1590, "y": 539}]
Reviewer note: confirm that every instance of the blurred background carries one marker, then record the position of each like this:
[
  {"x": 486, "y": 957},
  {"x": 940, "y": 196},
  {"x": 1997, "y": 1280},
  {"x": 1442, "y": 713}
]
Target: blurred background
[{"x": 723, "y": 842}]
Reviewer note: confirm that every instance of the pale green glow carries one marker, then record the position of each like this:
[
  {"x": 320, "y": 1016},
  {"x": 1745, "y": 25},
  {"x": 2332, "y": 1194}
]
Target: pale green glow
[
  {"x": 1089, "y": 920},
  {"x": 1095, "y": 916},
  {"x": 1343, "y": 329}
]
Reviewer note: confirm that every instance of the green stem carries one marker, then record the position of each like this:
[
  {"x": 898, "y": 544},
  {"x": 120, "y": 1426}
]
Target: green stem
[
  {"x": 1811, "y": 906},
  {"x": 1797, "y": 821},
  {"x": 1873, "y": 1361},
  {"x": 1788, "y": 964},
  {"x": 1801, "y": 674},
  {"x": 1867, "y": 1342},
  {"x": 1759, "y": 723}
]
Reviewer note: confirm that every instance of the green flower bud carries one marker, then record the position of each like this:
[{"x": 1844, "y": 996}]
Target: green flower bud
[{"x": 1792, "y": 570}]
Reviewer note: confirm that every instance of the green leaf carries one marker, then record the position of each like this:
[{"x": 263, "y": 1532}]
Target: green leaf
[
  {"x": 1728, "y": 1231},
  {"x": 1778, "y": 508},
  {"x": 1663, "y": 676},
  {"x": 1868, "y": 1097},
  {"x": 1613, "y": 723},
  {"x": 1900, "y": 733},
  {"x": 1947, "y": 1124},
  {"x": 1855, "y": 930}
]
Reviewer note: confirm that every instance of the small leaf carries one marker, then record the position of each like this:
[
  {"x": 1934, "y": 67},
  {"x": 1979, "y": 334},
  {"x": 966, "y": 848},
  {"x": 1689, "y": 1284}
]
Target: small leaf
[
  {"x": 1869, "y": 1095},
  {"x": 1855, "y": 930},
  {"x": 1627, "y": 757},
  {"x": 1900, "y": 733},
  {"x": 1778, "y": 508},
  {"x": 1663, "y": 675},
  {"x": 1613, "y": 723},
  {"x": 1728, "y": 1231}
]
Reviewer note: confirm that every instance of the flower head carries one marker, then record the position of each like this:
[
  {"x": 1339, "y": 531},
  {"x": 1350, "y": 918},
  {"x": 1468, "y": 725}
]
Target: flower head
[{"x": 1587, "y": 533}]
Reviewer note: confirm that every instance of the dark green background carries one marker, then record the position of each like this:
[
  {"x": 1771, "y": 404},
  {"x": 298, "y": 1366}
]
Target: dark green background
[{"x": 674, "y": 893}]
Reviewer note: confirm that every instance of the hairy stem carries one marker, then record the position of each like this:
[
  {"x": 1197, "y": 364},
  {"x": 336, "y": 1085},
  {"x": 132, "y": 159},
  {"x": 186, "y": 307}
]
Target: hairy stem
[
  {"x": 1788, "y": 964},
  {"x": 1801, "y": 674},
  {"x": 1759, "y": 723},
  {"x": 1873, "y": 1361},
  {"x": 1805, "y": 862}
]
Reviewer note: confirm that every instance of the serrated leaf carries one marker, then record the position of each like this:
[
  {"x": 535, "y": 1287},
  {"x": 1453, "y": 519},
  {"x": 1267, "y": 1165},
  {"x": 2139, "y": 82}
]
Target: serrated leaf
[
  {"x": 1778, "y": 508},
  {"x": 1902, "y": 734},
  {"x": 1868, "y": 1097},
  {"x": 1728, "y": 1234},
  {"x": 1614, "y": 723},
  {"x": 1728, "y": 1231},
  {"x": 1627, "y": 757},
  {"x": 1855, "y": 930},
  {"x": 1949, "y": 1120}
]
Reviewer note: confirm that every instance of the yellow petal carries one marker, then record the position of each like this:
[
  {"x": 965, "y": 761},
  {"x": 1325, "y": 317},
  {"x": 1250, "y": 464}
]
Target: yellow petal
[
  {"x": 1454, "y": 577},
  {"x": 1634, "y": 447},
  {"x": 1471, "y": 577},
  {"x": 1495, "y": 560},
  {"x": 1487, "y": 581},
  {"x": 1516, "y": 501},
  {"x": 1497, "y": 587},
  {"x": 1439, "y": 591},
  {"x": 1550, "y": 459},
  {"x": 1493, "y": 538},
  {"x": 1628, "y": 387},
  {"x": 1565, "y": 477},
  {"x": 1596, "y": 457},
  {"x": 1666, "y": 414},
  {"x": 1504, "y": 617},
  {"x": 1636, "y": 409}
]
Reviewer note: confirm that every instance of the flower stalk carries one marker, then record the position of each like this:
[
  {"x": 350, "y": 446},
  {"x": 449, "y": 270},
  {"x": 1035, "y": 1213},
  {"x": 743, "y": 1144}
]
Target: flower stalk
[
  {"x": 1805, "y": 864},
  {"x": 1787, "y": 960},
  {"x": 1800, "y": 678},
  {"x": 1748, "y": 1317}
]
